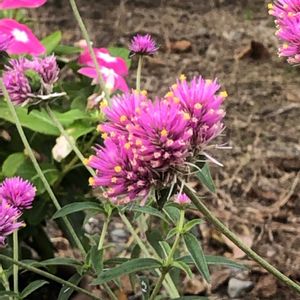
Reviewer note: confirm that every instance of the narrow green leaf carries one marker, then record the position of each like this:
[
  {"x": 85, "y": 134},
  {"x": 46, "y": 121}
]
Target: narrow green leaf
[
  {"x": 31, "y": 287},
  {"x": 61, "y": 261},
  {"x": 184, "y": 267},
  {"x": 66, "y": 50},
  {"x": 190, "y": 224},
  {"x": 191, "y": 298},
  {"x": 96, "y": 259},
  {"x": 8, "y": 294},
  {"x": 154, "y": 236},
  {"x": 51, "y": 41},
  {"x": 165, "y": 247},
  {"x": 66, "y": 292},
  {"x": 171, "y": 233},
  {"x": 12, "y": 163},
  {"x": 196, "y": 252},
  {"x": 132, "y": 266},
  {"x": 173, "y": 213},
  {"x": 206, "y": 179},
  {"x": 149, "y": 210},
  {"x": 75, "y": 207}
]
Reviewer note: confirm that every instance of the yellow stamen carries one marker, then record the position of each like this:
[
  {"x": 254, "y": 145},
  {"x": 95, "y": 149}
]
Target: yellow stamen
[
  {"x": 174, "y": 86},
  {"x": 270, "y": 5},
  {"x": 169, "y": 94},
  {"x": 176, "y": 100},
  {"x": 127, "y": 146},
  {"x": 186, "y": 116},
  {"x": 114, "y": 179},
  {"x": 224, "y": 94},
  {"x": 87, "y": 160},
  {"x": 138, "y": 142},
  {"x": 103, "y": 103},
  {"x": 104, "y": 135},
  {"x": 198, "y": 105},
  {"x": 182, "y": 77},
  {"x": 91, "y": 181},
  {"x": 144, "y": 92},
  {"x": 123, "y": 118},
  {"x": 285, "y": 45},
  {"x": 100, "y": 128},
  {"x": 164, "y": 132},
  {"x": 208, "y": 81},
  {"x": 117, "y": 169}
]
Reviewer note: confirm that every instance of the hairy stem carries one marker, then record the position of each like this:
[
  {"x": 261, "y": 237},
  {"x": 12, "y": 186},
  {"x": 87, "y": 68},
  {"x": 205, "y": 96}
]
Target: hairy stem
[
  {"x": 103, "y": 233},
  {"x": 48, "y": 275},
  {"x": 16, "y": 257},
  {"x": 90, "y": 47},
  {"x": 229, "y": 234},
  {"x": 38, "y": 168}
]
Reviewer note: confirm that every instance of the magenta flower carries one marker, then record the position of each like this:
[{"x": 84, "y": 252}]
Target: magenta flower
[
  {"x": 161, "y": 136},
  {"x": 202, "y": 108},
  {"x": 8, "y": 220},
  {"x": 104, "y": 59},
  {"x": 113, "y": 81},
  {"x": 6, "y": 41},
  {"x": 182, "y": 199},
  {"x": 13, "y": 4},
  {"x": 47, "y": 68},
  {"x": 17, "y": 192},
  {"x": 142, "y": 45},
  {"x": 117, "y": 170},
  {"x": 284, "y": 8},
  {"x": 24, "y": 41}
]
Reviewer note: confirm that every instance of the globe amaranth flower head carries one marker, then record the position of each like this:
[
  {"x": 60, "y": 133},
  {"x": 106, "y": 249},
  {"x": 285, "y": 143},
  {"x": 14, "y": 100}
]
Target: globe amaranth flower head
[
  {"x": 142, "y": 45},
  {"x": 182, "y": 199},
  {"x": 201, "y": 103},
  {"x": 26, "y": 80},
  {"x": 8, "y": 220},
  {"x": 17, "y": 192},
  {"x": 287, "y": 14}
]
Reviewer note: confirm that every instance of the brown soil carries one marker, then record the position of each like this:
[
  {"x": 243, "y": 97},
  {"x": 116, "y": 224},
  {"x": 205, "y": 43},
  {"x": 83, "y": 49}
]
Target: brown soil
[{"x": 258, "y": 190}]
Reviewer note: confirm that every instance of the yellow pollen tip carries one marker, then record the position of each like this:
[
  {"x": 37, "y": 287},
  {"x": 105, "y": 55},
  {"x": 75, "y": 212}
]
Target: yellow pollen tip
[
  {"x": 104, "y": 135},
  {"x": 117, "y": 169},
  {"x": 86, "y": 161},
  {"x": 285, "y": 45},
  {"x": 91, "y": 181},
  {"x": 174, "y": 86},
  {"x": 176, "y": 100},
  {"x": 114, "y": 179},
  {"x": 164, "y": 132},
  {"x": 224, "y": 94},
  {"x": 127, "y": 146},
  {"x": 198, "y": 106},
  {"x": 100, "y": 128},
  {"x": 208, "y": 81},
  {"x": 182, "y": 77},
  {"x": 138, "y": 142},
  {"x": 169, "y": 94},
  {"x": 103, "y": 103},
  {"x": 186, "y": 116},
  {"x": 270, "y": 5},
  {"x": 123, "y": 118},
  {"x": 144, "y": 92}
]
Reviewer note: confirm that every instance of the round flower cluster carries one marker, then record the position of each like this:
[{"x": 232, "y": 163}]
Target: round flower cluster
[
  {"x": 16, "y": 195},
  {"x": 26, "y": 79},
  {"x": 147, "y": 144},
  {"x": 142, "y": 45},
  {"x": 287, "y": 14}
]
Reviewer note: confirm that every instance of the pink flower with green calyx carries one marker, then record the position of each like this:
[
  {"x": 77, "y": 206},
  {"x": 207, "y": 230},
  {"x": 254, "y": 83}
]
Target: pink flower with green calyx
[
  {"x": 142, "y": 45},
  {"x": 182, "y": 199}
]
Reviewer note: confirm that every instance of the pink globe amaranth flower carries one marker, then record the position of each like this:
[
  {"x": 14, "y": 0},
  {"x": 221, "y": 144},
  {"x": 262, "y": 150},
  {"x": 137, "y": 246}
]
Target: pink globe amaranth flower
[
  {"x": 104, "y": 59},
  {"x": 161, "y": 135},
  {"x": 142, "y": 45},
  {"x": 8, "y": 220},
  {"x": 47, "y": 68},
  {"x": 17, "y": 192},
  {"x": 284, "y": 8},
  {"x": 182, "y": 199},
  {"x": 202, "y": 108},
  {"x": 24, "y": 41},
  {"x": 13, "y": 4},
  {"x": 17, "y": 86},
  {"x": 6, "y": 41},
  {"x": 117, "y": 170},
  {"x": 113, "y": 81}
]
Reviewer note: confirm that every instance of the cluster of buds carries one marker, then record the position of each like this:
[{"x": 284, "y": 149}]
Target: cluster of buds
[
  {"x": 287, "y": 14},
  {"x": 148, "y": 144},
  {"x": 30, "y": 81},
  {"x": 16, "y": 195}
]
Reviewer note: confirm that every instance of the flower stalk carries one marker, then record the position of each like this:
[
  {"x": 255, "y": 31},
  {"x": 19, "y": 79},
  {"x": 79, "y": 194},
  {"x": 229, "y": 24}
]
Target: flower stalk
[
  {"x": 139, "y": 73},
  {"x": 231, "y": 236},
  {"x": 16, "y": 258}
]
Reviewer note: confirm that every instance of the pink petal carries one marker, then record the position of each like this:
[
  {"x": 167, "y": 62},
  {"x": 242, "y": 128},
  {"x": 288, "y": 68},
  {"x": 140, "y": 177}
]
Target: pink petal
[
  {"x": 25, "y": 42},
  {"x": 12, "y": 4}
]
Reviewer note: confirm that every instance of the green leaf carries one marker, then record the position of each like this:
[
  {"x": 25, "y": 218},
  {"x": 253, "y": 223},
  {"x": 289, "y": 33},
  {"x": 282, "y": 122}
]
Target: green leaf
[
  {"x": 173, "y": 213},
  {"x": 132, "y": 266},
  {"x": 191, "y": 298},
  {"x": 184, "y": 267},
  {"x": 196, "y": 252},
  {"x": 66, "y": 292},
  {"x": 171, "y": 233},
  {"x": 79, "y": 129},
  {"x": 61, "y": 261},
  {"x": 95, "y": 259},
  {"x": 148, "y": 210},
  {"x": 66, "y": 50},
  {"x": 206, "y": 179},
  {"x": 75, "y": 207},
  {"x": 190, "y": 224},
  {"x": 31, "y": 287},
  {"x": 121, "y": 52},
  {"x": 12, "y": 163},
  {"x": 154, "y": 236},
  {"x": 8, "y": 294},
  {"x": 165, "y": 247},
  {"x": 51, "y": 41}
]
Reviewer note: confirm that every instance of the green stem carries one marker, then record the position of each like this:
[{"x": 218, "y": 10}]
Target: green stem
[
  {"x": 169, "y": 259},
  {"x": 231, "y": 236},
  {"x": 16, "y": 258},
  {"x": 103, "y": 233},
  {"x": 139, "y": 73},
  {"x": 4, "y": 280},
  {"x": 89, "y": 45},
  {"x": 48, "y": 275},
  {"x": 168, "y": 283},
  {"x": 38, "y": 168},
  {"x": 110, "y": 292}
]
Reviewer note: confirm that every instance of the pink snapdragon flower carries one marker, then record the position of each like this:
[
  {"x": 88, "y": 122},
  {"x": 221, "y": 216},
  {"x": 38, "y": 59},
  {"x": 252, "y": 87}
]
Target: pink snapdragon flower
[
  {"x": 24, "y": 41},
  {"x": 14, "y": 4},
  {"x": 17, "y": 192},
  {"x": 142, "y": 45}
]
